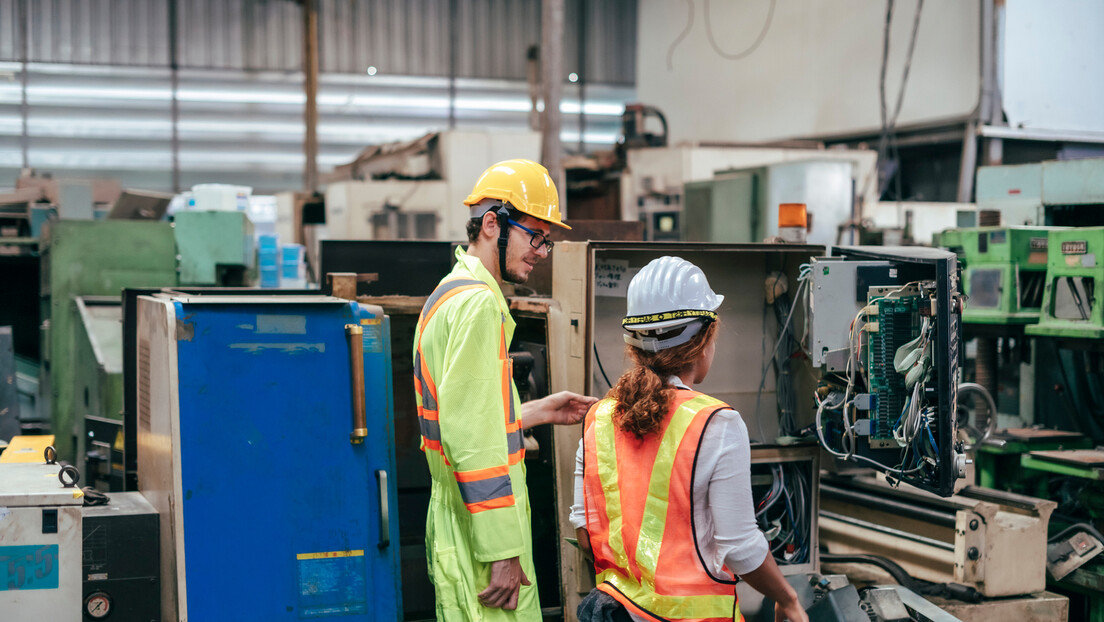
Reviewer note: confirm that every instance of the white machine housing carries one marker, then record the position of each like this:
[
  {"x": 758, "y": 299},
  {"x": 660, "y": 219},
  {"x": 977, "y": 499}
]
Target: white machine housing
[
  {"x": 39, "y": 516},
  {"x": 351, "y": 205}
]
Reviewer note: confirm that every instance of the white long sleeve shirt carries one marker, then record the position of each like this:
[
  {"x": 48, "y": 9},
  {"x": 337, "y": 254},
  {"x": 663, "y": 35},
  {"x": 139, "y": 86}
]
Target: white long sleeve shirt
[{"x": 724, "y": 513}]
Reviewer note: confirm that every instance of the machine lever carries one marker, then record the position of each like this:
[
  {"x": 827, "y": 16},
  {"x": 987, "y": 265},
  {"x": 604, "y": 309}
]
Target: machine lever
[
  {"x": 354, "y": 334},
  {"x": 385, "y": 515}
]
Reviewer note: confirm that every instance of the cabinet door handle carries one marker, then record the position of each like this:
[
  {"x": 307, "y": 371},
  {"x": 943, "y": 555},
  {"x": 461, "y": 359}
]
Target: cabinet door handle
[
  {"x": 354, "y": 335},
  {"x": 384, "y": 514}
]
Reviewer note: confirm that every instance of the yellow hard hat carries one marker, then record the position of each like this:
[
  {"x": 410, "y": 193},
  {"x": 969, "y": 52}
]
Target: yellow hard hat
[{"x": 525, "y": 185}]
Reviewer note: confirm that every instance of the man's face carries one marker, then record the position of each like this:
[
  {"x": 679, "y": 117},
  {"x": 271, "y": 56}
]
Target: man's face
[{"x": 521, "y": 257}]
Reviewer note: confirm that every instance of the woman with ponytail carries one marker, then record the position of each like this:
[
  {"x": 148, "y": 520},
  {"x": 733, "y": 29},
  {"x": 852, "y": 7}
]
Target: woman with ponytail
[{"x": 663, "y": 473}]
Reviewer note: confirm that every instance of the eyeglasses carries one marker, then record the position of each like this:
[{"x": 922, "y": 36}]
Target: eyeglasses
[{"x": 537, "y": 240}]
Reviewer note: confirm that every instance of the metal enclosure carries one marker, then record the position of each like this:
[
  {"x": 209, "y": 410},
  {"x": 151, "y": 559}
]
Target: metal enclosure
[
  {"x": 1016, "y": 191},
  {"x": 209, "y": 242},
  {"x": 987, "y": 539},
  {"x": 1055, "y": 192},
  {"x": 837, "y": 295},
  {"x": 1071, "y": 304},
  {"x": 801, "y": 461},
  {"x": 590, "y": 281},
  {"x": 1004, "y": 272},
  {"x": 90, "y": 258},
  {"x": 354, "y": 209},
  {"x": 98, "y": 357},
  {"x": 9, "y": 394},
  {"x": 422, "y": 264},
  {"x": 122, "y": 564},
  {"x": 247, "y": 416},
  {"x": 937, "y": 271},
  {"x": 40, "y": 544},
  {"x": 358, "y": 210},
  {"x": 741, "y": 206},
  {"x": 663, "y": 172}
]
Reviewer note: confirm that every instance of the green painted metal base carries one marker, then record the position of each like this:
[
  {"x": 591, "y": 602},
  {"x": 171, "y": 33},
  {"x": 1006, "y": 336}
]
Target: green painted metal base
[{"x": 999, "y": 466}]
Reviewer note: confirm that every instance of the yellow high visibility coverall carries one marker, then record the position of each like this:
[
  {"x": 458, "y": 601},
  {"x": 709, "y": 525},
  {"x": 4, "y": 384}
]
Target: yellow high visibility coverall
[{"x": 469, "y": 413}]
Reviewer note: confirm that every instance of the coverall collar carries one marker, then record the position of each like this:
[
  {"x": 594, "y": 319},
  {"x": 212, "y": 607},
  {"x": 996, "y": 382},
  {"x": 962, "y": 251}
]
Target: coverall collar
[{"x": 471, "y": 266}]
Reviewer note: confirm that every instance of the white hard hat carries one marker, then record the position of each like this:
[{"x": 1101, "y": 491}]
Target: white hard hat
[{"x": 666, "y": 294}]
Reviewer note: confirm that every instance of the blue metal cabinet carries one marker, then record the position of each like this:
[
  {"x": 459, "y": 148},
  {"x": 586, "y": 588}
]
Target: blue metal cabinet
[{"x": 269, "y": 510}]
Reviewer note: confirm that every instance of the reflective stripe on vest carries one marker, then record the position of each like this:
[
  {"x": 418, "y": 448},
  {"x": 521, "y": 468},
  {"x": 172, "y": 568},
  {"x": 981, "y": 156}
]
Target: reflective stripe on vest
[
  {"x": 648, "y": 563},
  {"x": 482, "y": 489}
]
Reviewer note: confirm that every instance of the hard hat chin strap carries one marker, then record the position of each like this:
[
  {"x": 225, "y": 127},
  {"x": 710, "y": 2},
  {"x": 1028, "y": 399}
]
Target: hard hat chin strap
[
  {"x": 503, "y": 238},
  {"x": 502, "y": 212}
]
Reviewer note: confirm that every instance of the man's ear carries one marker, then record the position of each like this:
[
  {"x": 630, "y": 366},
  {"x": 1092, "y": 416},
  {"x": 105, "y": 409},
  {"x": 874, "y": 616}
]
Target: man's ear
[{"x": 490, "y": 224}]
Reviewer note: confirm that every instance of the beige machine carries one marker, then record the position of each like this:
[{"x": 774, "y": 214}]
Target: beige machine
[
  {"x": 384, "y": 205},
  {"x": 590, "y": 281},
  {"x": 992, "y": 541}
]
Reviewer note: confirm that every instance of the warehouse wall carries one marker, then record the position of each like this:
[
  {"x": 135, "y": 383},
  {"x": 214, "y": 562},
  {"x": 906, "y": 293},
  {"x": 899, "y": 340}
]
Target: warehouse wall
[
  {"x": 99, "y": 85},
  {"x": 1053, "y": 61},
  {"x": 405, "y": 37},
  {"x": 815, "y": 72}
]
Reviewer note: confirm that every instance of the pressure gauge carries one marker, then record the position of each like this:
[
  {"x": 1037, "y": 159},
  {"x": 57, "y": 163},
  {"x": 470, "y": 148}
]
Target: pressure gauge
[{"x": 98, "y": 605}]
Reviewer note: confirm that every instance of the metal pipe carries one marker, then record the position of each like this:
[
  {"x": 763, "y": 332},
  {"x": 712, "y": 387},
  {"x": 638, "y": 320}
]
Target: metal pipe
[
  {"x": 174, "y": 73},
  {"x": 581, "y": 61},
  {"x": 354, "y": 334},
  {"x": 454, "y": 52},
  {"x": 552, "y": 31},
  {"x": 876, "y": 502},
  {"x": 24, "y": 109},
  {"x": 310, "y": 85}
]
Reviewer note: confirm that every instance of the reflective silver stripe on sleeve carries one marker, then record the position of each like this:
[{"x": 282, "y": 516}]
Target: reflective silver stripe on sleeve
[
  {"x": 430, "y": 429},
  {"x": 486, "y": 489}
]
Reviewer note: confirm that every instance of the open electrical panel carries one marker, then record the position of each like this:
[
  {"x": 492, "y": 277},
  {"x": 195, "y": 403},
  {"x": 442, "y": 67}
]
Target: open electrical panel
[
  {"x": 783, "y": 360},
  {"x": 884, "y": 337}
]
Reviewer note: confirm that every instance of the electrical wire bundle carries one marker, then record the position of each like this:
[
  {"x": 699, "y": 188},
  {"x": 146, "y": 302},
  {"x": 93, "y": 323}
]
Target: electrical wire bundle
[
  {"x": 913, "y": 361},
  {"x": 780, "y": 359},
  {"x": 784, "y": 514},
  {"x": 913, "y": 428}
]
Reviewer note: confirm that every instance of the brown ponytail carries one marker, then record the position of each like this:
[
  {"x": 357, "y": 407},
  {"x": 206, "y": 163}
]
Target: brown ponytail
[{"x": 642, "y": 393}]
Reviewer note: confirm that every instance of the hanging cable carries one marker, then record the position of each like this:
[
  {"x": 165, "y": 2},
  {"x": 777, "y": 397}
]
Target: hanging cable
[
  {"x": 747, "y": 52},
  {"x": 889, "y": 122},
  {"x": 682, "y": 35},
  {"x": 598, "y": 359}
]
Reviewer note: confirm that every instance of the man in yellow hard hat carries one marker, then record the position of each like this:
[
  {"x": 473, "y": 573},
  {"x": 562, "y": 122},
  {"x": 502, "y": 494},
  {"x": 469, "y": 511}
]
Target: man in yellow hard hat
[{"x": 478, "y": 537}]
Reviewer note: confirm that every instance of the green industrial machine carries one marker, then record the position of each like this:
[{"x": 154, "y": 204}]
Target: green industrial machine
[
  {"x": 215, "y": 247},
  {"x": 1075, "y": 278},
  {"x": 1003, "y": 272},
  {"x": 952, "y": 240},
  {"x": 90, "y": 258},
  {"x": 85, "y": 266},
  {"x": 98, "y": 350}
]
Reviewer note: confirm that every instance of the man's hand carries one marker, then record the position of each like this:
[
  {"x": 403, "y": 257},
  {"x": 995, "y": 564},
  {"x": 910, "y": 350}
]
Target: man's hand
[
  {"x": 507, "y": 577},
  {"x": 563, "y": 408}
]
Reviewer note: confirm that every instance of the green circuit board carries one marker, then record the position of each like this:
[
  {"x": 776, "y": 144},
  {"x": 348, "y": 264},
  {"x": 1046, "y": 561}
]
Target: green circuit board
[{"x": 898, "y": 322}]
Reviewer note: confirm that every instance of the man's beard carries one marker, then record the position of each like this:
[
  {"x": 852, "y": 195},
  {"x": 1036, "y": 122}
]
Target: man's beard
[
  {"x": 514, "y": 277},
  {"x": 510, "y": 276}
]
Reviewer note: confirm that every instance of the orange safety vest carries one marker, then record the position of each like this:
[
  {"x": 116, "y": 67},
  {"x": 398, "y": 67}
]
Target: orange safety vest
[
  {"x": 482, "y": 489},
  {"x": 639, "y": 506}
]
